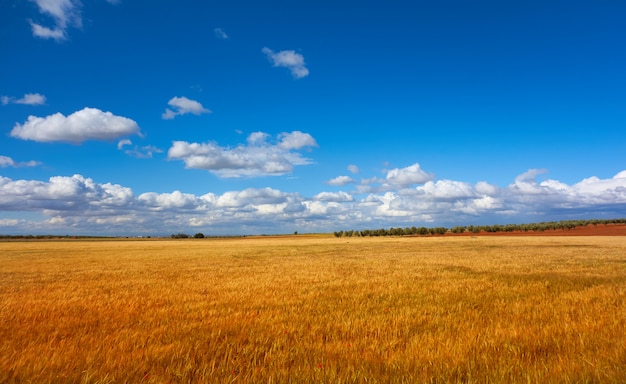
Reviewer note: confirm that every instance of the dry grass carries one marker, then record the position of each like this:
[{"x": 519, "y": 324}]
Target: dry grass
[{"x": 317, "y": 309}]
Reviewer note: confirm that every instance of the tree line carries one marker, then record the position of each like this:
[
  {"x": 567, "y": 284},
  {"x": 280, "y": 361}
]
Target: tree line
[
  {"x": 424, "y": 231},
  {"x": 198, "y": 235},
  {"x": 408, "y": 231}
]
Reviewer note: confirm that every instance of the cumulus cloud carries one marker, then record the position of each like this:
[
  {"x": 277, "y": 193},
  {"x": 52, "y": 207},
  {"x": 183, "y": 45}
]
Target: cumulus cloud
[
  {"x": 220, "y": 34},
  {"x": 353, "y": 168},
  {"x": 340, "y": 181},
  {"x": 167, "y": 201},
  {"x": 28, "y": 99},
  {"x": 80, "y": 126},
  {"x": 6, "y": 161},
  {"x": 412, "y": 174},
  {"x": 61, "y": 193},
  {"x": 447, "y": 190},
  {"x": 295, "y": 140},
  {"x": 250, "y": 197},
  {"x": 259, "y": 157},
  {"x": 79, "y": 204},
  {"x": 288, "y": 59},
  {"x": 183, "y": 106},
  {"x": 334, "y": 196},
  {"x": 620, "y": 175},
  {"x": 484, "y": 188}
]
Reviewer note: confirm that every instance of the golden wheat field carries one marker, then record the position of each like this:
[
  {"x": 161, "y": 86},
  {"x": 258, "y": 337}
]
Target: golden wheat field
[{"x": 314, "y": 309}]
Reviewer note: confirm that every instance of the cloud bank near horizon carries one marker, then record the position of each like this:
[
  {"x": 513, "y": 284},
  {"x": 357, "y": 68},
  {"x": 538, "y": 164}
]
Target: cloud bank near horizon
[{"x": 80, "y": 205}]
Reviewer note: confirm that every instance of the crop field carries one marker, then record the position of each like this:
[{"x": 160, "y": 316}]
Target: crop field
[{"x": 300, "y": 308}]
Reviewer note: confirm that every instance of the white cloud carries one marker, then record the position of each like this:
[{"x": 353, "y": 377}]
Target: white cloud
[
  {"x": 334, "y": 196},
  {"x": 57, "y": 33},
  {"x": 288, "y": 59},
  {"x": 32, "y": 99},
  {"x": 220, "y": 34},
  {"x": 144, "y": 152},
  {"x": 340, "y": 181},
  {"x": 9, "y": 222},
  {"x": 258, "y": 158},
  {"x": 250, "y": 197},
  {"x": 6, "y": 161},
  {"x": 595, "y": 185},
  {"x": 28, "y": 99},
  {"x": 164, "y": 201},
  {"x": 394, "y": 206},
  {"x": 62, "y": 193},
  {"x": 484, "y": 188},
  {"x": 65, "y": 13},
  {"x": 296, "y": 140},
  {"x": 530, "y": 175},
  {"x": 620, "y": 175},
  {"x": 412, "y": 174},
  {"x": 123, "y": 142},
  {"x": 80, "y": 126},
  {"x": 78, "y": 204},
  {"x": 195, "y": 222},
  {"x": 353, "y": 168},
  {"x": 183, "y": 106},
  {"x": 370, "y": 185},
  {"x": 447, "y": 190}
]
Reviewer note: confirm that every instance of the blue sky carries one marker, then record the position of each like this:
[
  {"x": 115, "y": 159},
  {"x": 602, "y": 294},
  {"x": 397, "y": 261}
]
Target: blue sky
[{"x": 243, "y": 117}]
